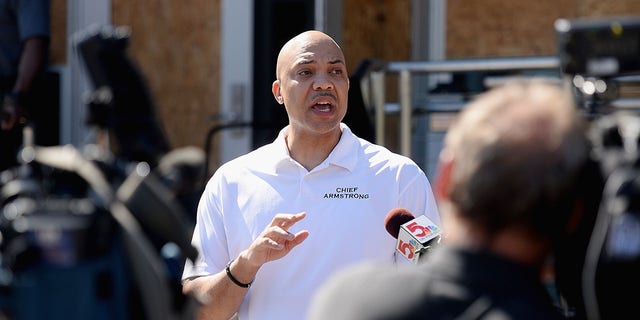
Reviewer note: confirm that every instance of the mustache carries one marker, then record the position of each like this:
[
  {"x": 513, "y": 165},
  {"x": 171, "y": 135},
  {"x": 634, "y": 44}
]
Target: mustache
[{"x": 323, "y": 94}]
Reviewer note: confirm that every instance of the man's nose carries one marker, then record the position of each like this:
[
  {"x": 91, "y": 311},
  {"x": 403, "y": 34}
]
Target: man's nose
[{"x": 322, "y": 82}]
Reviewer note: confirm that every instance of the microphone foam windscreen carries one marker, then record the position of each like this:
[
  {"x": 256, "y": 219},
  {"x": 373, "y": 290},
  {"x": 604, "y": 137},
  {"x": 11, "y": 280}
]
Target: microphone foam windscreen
[{"x": 396, "y": 218}]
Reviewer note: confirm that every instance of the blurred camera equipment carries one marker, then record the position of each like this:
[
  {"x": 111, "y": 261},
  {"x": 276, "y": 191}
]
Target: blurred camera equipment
[
  {"x": 103, "y": 232},
  {"x": 598, "y": 266}
]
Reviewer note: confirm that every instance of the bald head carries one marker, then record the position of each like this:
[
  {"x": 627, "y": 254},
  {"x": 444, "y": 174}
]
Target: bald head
[
  {"x": 312, "y": 84},
  {"x": 303, "y": 43}
]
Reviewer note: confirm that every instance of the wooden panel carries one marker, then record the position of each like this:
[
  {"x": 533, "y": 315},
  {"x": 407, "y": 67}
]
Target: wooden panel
[
  {"x": 602, "y": 8},
  {"x": 502, "y": 28},
  {"x": 58, "y": 45},
  {"x": 177, "y": 47},
  {"x": 379, "y": 29}
]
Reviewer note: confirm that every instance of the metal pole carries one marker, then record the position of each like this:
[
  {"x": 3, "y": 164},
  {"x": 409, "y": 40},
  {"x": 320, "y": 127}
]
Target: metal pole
[
  {"x": 405, "y": 112},
  {"x": 462, "y": 65},
  {"x": 378, "y": 90}
]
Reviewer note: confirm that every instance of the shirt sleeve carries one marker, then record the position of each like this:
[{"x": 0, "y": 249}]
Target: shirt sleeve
[
  {"x": 209, "y": 236},
  {"x": 33, "y": 18},
  {"x": 417, "y": 195}
]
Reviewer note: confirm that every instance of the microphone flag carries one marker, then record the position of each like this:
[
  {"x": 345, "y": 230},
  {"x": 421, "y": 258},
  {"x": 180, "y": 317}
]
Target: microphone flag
[{"x": 416, "y": 236}]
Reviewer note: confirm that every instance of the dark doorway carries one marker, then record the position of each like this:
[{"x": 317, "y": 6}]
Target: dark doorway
[{"x": 276, "y": 21}]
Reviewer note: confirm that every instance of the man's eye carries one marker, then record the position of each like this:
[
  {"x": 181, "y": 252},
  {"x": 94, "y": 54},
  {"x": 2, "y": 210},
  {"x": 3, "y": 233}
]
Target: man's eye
[
  {"x": 337, "y": 71},
  {"x": 304, "y": 73}
]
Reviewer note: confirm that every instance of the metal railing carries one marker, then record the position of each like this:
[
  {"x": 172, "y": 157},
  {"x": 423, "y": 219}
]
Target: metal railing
[{"x": 405, "y": 70}]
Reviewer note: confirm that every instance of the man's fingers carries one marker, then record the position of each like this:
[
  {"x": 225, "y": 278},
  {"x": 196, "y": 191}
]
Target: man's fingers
[
  {"x": 278, "y": 234},
  {"x": 276, "y": 241},
  {"x": 286, "y": 220},
  {"x": 286, "y": 242},
  {"x": 298, "y": 238},
  {"x": 272, "y": 244}
]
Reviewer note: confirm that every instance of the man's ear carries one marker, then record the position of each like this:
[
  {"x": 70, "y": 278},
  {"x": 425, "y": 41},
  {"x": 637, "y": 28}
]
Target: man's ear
[
  {"x": 275, "y": 89},
  {"x": 443, "y": 176}
]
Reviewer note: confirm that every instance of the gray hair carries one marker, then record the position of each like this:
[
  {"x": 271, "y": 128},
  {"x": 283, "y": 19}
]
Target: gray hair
[{"x": 517, "y": 151}]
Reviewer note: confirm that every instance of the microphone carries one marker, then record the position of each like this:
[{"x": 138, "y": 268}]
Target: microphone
[
  {"x": 415, "y": 235},
  {"x": 396, "y": 218}
]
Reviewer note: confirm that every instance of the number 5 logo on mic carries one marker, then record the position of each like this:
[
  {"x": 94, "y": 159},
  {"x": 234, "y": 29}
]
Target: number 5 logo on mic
[{"x": 414, "y": 237}]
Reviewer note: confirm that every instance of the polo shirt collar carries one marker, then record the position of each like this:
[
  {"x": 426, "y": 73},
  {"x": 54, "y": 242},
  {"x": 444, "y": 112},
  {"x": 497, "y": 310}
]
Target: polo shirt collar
[{"x": 342, "y": 155}]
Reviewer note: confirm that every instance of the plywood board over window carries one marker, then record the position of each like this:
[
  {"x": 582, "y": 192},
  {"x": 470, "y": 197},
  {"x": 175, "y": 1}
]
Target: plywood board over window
[
  {"x": 504, "y": 28},
  {"x": 177, "y": 46}
]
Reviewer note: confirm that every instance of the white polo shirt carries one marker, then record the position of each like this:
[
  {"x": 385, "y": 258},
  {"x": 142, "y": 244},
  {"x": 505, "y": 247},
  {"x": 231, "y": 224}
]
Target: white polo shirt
[{"x": 346, "y": 198}]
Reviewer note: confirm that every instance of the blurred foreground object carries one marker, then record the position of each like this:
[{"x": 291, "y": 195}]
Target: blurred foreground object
[{"x": 103, "y": 232}]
